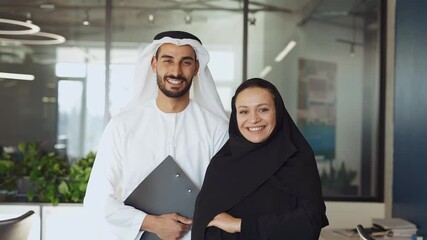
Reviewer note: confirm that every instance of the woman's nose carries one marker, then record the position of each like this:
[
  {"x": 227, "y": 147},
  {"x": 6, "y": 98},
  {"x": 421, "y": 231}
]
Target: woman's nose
[{"x": 253, "y": 117}]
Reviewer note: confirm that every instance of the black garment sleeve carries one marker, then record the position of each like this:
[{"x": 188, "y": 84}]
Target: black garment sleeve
[
  {"x": 249, "y": 228},
  {"x": 303, "y": 223}
]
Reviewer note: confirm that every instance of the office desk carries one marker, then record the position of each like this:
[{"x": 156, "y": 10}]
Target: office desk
[{"x": 329, "y": 234}]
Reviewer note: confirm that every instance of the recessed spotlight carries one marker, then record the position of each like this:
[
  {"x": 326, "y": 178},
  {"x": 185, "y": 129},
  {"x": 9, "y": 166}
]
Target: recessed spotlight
[
  {"x": 29, "y": 21},
  {"x": 86, "y": 21},
  {"x": 188, "y": 19},
  {"x": 151, "y": 18}
]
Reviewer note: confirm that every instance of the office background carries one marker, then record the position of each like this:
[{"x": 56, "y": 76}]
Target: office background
[
  {"x": 324, "y": 57},
  {"x": 380, "y": 106}
]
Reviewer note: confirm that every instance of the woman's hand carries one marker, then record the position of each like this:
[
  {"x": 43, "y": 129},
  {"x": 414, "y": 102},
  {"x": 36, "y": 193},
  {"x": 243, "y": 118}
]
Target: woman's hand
[{"x": 226, "y": 222}]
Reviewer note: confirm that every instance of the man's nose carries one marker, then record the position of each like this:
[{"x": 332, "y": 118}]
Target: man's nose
[{"x": 176, "y": 69}]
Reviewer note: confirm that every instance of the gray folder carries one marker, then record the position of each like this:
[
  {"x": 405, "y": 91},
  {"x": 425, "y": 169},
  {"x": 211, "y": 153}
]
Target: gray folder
[{"x": 167, "y": 189}]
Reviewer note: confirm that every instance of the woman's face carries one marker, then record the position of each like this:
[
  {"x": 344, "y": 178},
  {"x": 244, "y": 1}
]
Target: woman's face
[{"x": 256, "y": 114}]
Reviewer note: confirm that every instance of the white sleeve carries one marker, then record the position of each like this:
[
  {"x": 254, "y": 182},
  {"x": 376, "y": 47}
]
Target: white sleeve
[
  {"x": 221, "y": 137},
  {"x": 103, "y": 195}
]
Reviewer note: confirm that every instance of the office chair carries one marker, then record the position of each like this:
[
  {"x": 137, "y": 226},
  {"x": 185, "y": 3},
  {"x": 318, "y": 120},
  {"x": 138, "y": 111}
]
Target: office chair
[
  {"x": 363, "y": 233},
  {"x": 17, "y": 228}
]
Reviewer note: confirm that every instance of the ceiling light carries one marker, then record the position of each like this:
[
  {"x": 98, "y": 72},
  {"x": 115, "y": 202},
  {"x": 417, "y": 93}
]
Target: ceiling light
[
  {"x": 188, "y": 19},
  {"x": 352, "y": 54},
  {"x": 32, "y": 30},
  {"x": 151, "y": 18},
  {"x": 54, "y": 39},
  {"x": 265, "y": 71},
  {"x": 16, "y": 76},
  {"x": 86, "y": 20},
  {"x": 252, "y": 20},
  {"x": 285, "y": 51},
  {"x": 47, "y": 6},
  {"x": 29, "y": 18},
  {"x": 31, "y": 27}
]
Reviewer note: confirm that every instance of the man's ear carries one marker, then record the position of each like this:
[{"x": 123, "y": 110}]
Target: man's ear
[{"x": 154, "y": 63}]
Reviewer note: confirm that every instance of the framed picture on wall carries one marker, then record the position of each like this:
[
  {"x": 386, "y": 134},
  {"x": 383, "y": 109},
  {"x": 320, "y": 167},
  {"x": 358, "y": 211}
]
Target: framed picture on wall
[{"x": 316, "y": 115}]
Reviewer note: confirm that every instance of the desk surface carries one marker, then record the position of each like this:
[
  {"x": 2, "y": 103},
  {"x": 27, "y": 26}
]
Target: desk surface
[{"x": 330, "y": 234}]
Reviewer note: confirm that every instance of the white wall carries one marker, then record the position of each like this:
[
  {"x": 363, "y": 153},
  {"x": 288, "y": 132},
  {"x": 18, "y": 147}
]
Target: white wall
[{"x": 349, "y": 214}]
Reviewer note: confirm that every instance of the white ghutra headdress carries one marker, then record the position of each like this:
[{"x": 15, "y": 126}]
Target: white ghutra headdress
[{"x": 203, "y": 90}]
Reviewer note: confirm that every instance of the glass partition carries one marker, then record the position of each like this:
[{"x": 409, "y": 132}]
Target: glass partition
[
  {"x": 218, "y": 24},
  {"x": 324, "y": 57}
]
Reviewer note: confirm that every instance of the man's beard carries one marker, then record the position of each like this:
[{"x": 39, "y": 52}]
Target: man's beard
[{"x": 161, "y": 83}]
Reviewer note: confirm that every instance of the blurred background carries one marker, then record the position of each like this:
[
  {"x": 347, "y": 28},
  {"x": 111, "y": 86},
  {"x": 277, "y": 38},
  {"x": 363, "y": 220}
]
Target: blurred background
[{"x": 66, "y": 67}]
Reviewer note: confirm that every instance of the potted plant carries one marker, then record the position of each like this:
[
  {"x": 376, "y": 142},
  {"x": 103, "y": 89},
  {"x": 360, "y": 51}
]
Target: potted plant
[
  {"x": 46, "y": 174},
  {"x": 7, "y": 183},
  {"x": 23, "y": 156},
  {"x": 338, "y": 181},
  {"x": 41, "y": 176},
  {"x": 73, "y": 188}
]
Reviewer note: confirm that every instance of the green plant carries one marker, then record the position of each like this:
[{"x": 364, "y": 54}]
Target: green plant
[
  {"x": 7, "y": 181},
  {"x": 338, "y": 181},
  {"x": 46, "y": 173},
  {"x": 14, "y": 166},
  {"x": 73, "y": 188},
  {"x": 50, "y": 177},
  {"x": 26, "y": 154}
]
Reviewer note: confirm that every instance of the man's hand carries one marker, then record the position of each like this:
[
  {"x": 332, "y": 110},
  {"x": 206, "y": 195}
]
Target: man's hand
[
  {"x": 170, "y": 226},
  {"x": 226, "y": 222}
]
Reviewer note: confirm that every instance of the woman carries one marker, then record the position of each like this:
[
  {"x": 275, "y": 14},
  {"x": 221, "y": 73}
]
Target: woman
[{"x": 264, "y": 182}]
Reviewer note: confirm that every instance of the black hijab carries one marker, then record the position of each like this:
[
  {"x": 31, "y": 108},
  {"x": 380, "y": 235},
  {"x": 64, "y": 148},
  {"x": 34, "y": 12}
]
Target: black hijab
[{"x": 241, "y": 166}]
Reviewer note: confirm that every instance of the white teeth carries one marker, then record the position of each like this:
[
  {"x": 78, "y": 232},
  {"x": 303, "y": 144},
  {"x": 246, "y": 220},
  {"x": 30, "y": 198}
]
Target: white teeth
[
  {"x": 254, "y": 129},
  {"x": 174, "y": 81}
]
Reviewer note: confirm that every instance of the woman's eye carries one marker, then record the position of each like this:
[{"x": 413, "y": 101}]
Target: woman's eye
[
  {"x": 243, "y": 112},
  {"x": 264, "y": 110}
]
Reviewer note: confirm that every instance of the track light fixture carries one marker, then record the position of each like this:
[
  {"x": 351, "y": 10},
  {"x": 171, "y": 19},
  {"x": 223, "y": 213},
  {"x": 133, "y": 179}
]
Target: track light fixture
[
  {"x": 151, "y": 18},
  {"x": 29, "y": 18},
  {"x": 188, "y": 19},
  {"x": 252, "y": 19},
  {"x": 86, "y": 21}
]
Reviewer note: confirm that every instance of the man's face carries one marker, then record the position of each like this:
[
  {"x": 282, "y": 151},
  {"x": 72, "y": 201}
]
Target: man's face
[{"x": 175, "y": 67}]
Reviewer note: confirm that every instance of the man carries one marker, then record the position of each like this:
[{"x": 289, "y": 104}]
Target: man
[{"x": 157, "y": 123}]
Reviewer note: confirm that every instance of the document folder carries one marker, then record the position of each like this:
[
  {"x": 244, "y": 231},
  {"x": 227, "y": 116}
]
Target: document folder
[{"x": 167, "y": 189}]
